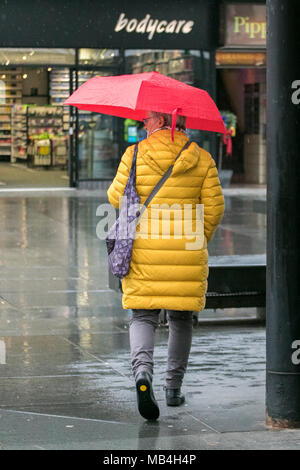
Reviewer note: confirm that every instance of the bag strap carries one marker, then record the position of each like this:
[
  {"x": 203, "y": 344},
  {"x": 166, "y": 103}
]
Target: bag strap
[
  {"x": 133, "y": 164},
  {"x": 160, "y": 182}
]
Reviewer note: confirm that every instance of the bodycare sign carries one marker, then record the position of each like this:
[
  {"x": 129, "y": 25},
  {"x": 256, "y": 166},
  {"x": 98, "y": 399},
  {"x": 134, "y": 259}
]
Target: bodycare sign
[
  {"x": 190, "y": 24},
  {"x": 193, "y": 25},
  {"x": 151, "y": 26},
  {"x": 245, "y": 25}
]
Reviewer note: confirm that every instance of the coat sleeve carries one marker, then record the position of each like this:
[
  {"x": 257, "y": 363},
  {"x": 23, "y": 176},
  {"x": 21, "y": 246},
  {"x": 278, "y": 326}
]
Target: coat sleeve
[
  {"x": 213, "y": 200},
  {"x": 116, "y": 189}
]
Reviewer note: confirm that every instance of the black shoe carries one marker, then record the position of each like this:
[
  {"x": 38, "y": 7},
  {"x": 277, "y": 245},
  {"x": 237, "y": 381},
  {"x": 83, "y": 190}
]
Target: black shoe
[
  {"x": 147, "y": 404},
  {"x": 174, "y": 397}
]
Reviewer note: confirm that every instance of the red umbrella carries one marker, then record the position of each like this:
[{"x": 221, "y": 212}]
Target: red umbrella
[{"x": 130, "y": 96}]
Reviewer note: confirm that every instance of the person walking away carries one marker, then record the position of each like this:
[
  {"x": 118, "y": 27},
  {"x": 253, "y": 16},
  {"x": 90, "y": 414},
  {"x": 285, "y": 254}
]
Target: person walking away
[{"x": 167, "y": 273}]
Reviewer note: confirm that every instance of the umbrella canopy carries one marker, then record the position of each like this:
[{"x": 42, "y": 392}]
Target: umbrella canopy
[{"x": 130, "y": 96}]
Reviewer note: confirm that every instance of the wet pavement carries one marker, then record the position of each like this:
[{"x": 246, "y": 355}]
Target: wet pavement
[
  {"x": 67, "y": 383},
  {"x": 21, "y": 176}
]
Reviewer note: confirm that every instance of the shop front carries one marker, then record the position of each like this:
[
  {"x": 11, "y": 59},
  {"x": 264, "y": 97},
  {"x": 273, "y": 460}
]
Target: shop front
[
  {"x": 58, "y": 48},
  {"x": 241, "y": 88},
  {"x": 34, "y": 126}
]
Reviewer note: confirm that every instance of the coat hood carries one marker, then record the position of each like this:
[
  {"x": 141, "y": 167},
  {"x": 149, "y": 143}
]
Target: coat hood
[{"x": 159, "y": 152}]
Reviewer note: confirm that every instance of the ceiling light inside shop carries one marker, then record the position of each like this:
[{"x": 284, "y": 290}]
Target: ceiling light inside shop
[
  {"x": 25, "y": 75},
  {"x": 24, "y": 57},
  {"x": 7, "y": 62},
  {"x": 49, "y": 69}
]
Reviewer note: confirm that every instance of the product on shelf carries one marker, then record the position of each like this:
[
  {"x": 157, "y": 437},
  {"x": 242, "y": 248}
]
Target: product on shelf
[
  {"x": 181, "y": 65},
  {"x": 149, "y": 67},
  {"x": 33, "y": 129},
  {"x": 59, "y": 92},
  {"x": 5, "y": 130},
  {"x": 162, "y": 67},
  {"x": 59, "y": 85},
  {"x": 24, "y": 127},
  {"x": 44, "y": 119},
  {"x": 19, "y": 132},
  {"x": 39, "y": 153},
  {"x": 10, "y": 86},
  {"x": 59, "y": 151},
  {"x": 137, "y": 68}
]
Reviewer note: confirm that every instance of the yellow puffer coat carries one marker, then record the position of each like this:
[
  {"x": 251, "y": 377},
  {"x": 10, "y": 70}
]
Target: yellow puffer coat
[{"x": 164, "y": 273}]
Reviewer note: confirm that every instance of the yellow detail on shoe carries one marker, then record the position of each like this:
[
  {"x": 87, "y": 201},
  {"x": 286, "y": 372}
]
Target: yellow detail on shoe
[{"x": 143, "y": 388}]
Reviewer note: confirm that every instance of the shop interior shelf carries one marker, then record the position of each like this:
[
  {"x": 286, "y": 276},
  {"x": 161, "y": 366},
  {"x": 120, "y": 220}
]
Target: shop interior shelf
[
  {"x": 48, "y": 116},
  {"x": 44, "y": 126},
  {"x": 60, "y": 87},
  {"x": 62, "y": 80},
  {"x": 13, "y": 88},
  {"x": 60, "y": 95}
]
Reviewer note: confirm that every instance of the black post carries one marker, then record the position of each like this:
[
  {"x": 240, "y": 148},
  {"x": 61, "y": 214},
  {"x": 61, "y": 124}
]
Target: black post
[{"x": 283, "y": 214}]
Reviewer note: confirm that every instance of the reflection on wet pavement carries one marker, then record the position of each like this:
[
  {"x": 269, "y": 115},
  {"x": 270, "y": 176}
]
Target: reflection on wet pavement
[{"x": 67, "y": 343}]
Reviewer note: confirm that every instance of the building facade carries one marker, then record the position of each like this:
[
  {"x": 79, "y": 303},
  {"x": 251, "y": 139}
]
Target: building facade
[
  {"x": 241, "y": 87},
  {"x": 48, "y": 49}
]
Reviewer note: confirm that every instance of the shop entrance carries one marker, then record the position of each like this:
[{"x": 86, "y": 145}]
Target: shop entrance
[
  {"x": 100, "y": 140},
  {"x": 241, "y": 93},
  {"x": 46, "y": 144},
  {"x": 42, "y": 142},
  {"x": 97, "y": 139},
  {"x": 34, "y": 126}
]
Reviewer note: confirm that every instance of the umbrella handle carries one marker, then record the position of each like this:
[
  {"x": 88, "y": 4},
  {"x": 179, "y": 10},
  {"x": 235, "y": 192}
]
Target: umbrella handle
[
  {"x": 174, "y": 117},
  {"x": 227, "y": 140}
]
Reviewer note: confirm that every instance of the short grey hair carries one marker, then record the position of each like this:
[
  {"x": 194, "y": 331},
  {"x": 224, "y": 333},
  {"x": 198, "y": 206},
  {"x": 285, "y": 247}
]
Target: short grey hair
[{"x": 180, "y": 120}]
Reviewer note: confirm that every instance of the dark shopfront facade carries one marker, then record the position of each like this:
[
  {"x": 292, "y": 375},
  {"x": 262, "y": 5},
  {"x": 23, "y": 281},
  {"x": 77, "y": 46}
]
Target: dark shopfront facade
[
  {"x": 77, "y": 40},
  {"x": 241, "y": 87}
]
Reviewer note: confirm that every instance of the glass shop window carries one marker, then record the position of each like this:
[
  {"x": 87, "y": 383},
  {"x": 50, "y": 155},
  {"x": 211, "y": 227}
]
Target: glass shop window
[
  {"x": 192, "y": 67},
  {"x": 99, "y": 57}
]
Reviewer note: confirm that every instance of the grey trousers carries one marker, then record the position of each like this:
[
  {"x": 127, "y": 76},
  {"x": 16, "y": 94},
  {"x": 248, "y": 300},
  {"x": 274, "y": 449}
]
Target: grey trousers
[{"x": 143, "y": 324}]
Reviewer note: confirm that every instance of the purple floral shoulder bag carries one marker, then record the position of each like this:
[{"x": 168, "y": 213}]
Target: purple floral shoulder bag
[{"x": 119, "y": 240}]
